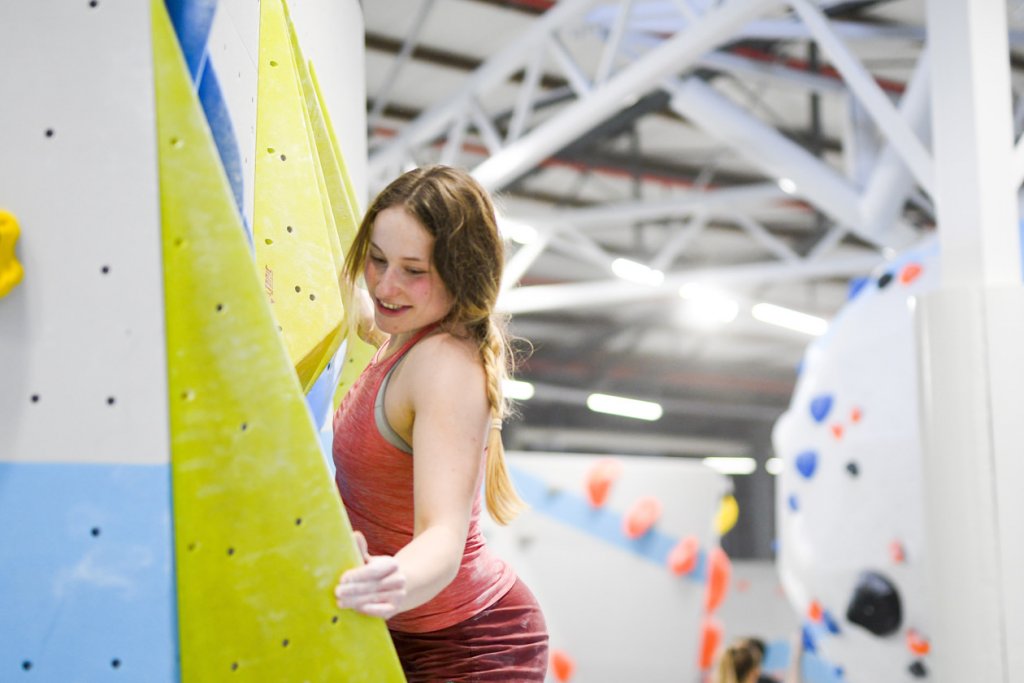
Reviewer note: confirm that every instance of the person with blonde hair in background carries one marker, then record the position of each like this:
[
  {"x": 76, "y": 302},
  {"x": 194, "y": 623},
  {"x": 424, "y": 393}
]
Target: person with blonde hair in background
[
  {"x": 740, "y": 662},
  {"x": 420, "y": 430}
]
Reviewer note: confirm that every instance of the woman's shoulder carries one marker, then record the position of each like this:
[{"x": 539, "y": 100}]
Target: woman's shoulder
[{"x": 444, "y": 348}]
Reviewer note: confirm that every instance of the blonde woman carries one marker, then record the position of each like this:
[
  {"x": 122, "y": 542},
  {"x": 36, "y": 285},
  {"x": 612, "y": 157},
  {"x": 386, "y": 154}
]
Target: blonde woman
[
  {"x": 420, "y": 431},
  {"x": 740, "y": 662}
]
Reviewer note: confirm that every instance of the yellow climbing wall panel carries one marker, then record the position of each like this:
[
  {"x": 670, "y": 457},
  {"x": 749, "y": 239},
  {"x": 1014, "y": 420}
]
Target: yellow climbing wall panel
[
  {"x": 260, "y": 533},
  {"x": 296, "y": 243}
]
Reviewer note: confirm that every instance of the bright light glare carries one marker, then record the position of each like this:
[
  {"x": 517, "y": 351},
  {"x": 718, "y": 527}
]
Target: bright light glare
[
  {"x": 516, "y": 390},
  {"x": 790, "y": 319},
  {"x": 773, "y": 466},
  {"x": 731, "y": 465},
  {"x": 636, "y": 272},
  {"x": 708, "y": 306},
  {"x": 516, "y": 231},
  {"x": 787, "y": 185},
  {"x": 625, "y": 407}
]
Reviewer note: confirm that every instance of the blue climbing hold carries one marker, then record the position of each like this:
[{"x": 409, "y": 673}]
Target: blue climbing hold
[
  {"x": 806, "y": 463},
  {"x": 793, "y": 504},
  {"x": 820, "y": 407},
  {"x": 856, "y": 285},
  {"x": 830, "y": 622},
  {"x": 808, "y": 638}
]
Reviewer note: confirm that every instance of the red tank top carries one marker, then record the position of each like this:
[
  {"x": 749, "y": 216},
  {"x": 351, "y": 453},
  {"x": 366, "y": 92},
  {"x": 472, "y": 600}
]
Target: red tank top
[{"x": 376, "y": 485}]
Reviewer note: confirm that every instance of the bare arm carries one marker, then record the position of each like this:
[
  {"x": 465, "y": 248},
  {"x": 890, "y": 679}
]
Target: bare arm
[{"x": 448, "y": 432}]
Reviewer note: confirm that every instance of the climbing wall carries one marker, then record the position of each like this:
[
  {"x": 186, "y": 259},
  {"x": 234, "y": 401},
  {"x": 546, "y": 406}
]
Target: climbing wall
[
  {"x": 618, "y": 553},
  {"x": 86, "y": 573},
  {"x": 850, "y": 507},
  {"x": 105, "y": 207},
  {"x": 260, "y": 533}
]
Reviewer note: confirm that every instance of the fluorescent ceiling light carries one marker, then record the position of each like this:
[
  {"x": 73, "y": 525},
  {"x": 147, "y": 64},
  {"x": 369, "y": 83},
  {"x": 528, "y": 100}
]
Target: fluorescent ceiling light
[
  {"x": 516, "y": 231},
  {"x": 625, "y": 407},
  {"x": 790, "y": 319},
  {"x": 731, "y": 465},
  {"x": 636, "y": 272},
  {"x": 773, "y": 466},
  {"x": 516, "y": 390},
  {"x": 708, "y": 306},
  {"x": 787, "y": 185}
]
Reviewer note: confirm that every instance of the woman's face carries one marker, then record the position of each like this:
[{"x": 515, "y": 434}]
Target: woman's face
[{"x": 407, "y": 290}]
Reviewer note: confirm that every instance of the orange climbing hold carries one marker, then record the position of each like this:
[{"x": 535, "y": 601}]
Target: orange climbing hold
[
  {"x": 856, "y": 414},
  {"x": 719, "y": 573},
  {"x": 710, "y": 641},
  {"x": 897, "y": 552},
  {"x": 837, "y": 431},
  {"x": 917, "y": 643},
  {"x": 562, "y": 666},
  {"x": 682, "y": 559},
  {"x": 814, "y": 611},
  {"x": 910, "y": 273},
  {"x": 641, "y": 517},
  {"x": 600, "y": 478}
]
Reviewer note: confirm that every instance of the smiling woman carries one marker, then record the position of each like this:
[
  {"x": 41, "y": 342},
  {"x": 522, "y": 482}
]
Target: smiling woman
[{"x": 420, "y": 430}]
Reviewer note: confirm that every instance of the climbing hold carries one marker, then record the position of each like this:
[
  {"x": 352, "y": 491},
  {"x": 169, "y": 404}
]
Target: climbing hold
[
  {"x": 884, "y": 280},
  {"x": 600, "y": 477},
  {"x": 641, "y": 517},
  {"x": 875, "y": 604},
  {"x": 918, "y": 670},
  {"x": 710, "y": 641},
  {"x": 562, "y": 666},
  {"x": 910, "y": 273},
  {"x": 814, "y": 611},
  {"x": 810, "y": 645},
  {"x": 820, "y": 407},
  {"x": 806, "y": 463},
  {"x": 852, "y": 468},
  {"x": 831, "y": 625},
  {"x": 855, "y": 288},
  {"x": 719, "y": 573},
  {"x": 856, "y": 414},
  {"x": 682, "y": 559},
  {"x": 794, "y": 504},
  {"x": 11, "y": 271},
  {"x": 837, "y": 430},
  {"x": 897, "y": 552},
  {"x": 728, "y": 513},
  {"x": 917, "y": 643}
]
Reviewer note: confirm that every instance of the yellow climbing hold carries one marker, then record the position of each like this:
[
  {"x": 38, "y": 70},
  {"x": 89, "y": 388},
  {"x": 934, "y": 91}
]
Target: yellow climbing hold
[
  {"x": 11, "y": 271},
  {"x": 728, "y": 513}
]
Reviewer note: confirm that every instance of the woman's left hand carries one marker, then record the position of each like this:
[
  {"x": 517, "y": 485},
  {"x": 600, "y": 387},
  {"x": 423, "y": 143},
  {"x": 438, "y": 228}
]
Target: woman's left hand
[{"x": 377, "y": 589}]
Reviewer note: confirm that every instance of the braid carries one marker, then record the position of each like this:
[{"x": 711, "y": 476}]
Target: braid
[{"x": 502, "y": 500}]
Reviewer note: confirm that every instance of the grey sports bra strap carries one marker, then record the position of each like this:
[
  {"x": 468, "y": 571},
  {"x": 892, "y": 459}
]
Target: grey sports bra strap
[{"x": 383, "y": 426}]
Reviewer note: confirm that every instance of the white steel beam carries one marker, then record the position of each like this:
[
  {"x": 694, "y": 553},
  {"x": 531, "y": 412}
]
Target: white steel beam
[
  {"x": 870, "y": 94},
  {"x": 768, "y": 149},
  {"x": 380, "y": 98},
  {"x": 970, "y": 333},
  {"x": 436, "y": 120},
  {"x": 891, "y": 182},
  {"x": 619, "y": 292},
  {"x": 681, "y": 205},
  {"x": 676, "y": 54}
]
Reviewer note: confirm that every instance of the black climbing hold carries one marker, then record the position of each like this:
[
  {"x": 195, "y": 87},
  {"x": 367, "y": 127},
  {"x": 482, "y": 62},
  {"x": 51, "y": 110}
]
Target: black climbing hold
[
  {"x": 884, "y": 280},
  {"x": 918, "y": 670},
  {"x": 875, "y": 604},
  {"x": 852, "y": 468}
]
